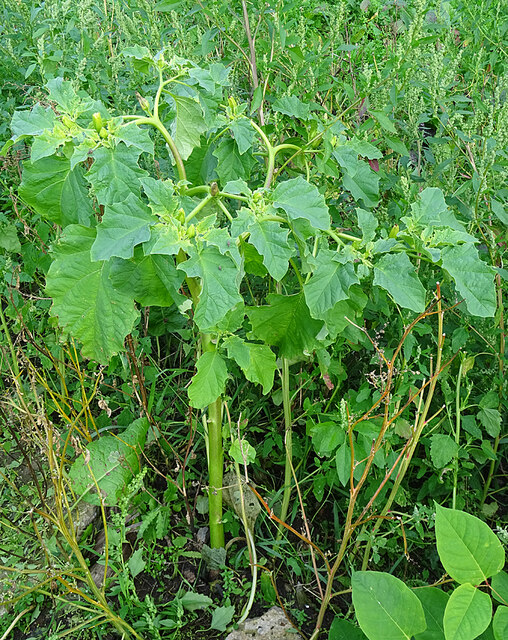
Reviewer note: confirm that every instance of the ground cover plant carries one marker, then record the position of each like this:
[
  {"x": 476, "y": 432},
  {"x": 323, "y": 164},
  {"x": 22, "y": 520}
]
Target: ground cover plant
[{"x": 253, "y": 319}]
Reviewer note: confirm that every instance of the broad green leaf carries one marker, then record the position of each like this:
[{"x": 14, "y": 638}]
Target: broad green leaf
[
  {"x": 329, "y": 283},
  {"x": 467, "y": 614},
  {"x": 384, "y": 121},
  {"x": 386, "y": 609},
  {"x": 468, "y": 549},
  {"x": 431, "y": 210},
  {"x": 115, "y": 173},
  {"x": 368, "y": 224},
  {"x": 271, "y": 242},
  {"x": 301, "y": 200},
  {"x": 500, "y": 211},
  {"x": 161, "y": 198},
  {"x": 232, "y": 165},
  {"x": 62, "y": 92},
  {"x": 48, "y": 142},
  {"x": 166, "y": 239},
  {"x": 358, "y": 177},
  {"x": 352, "y": 308},
  {"x": 326, "y": 436},
  {"x": 474, "y": 279},
  {"x": 9, "y": 238},
  {"x": 221, "y": 617},
  {"x": 244, "y": 134},
  {"x": 343, "y": 630},
  {"x": 292, "y": 106},
  {"x": 32, "y": 123},
  {"x": 136, "y": 562},
  {"x": 151, "y": 280},
  {"x": 434, "y": 604},
  {"x": 499, "y": 584},
  {"x": 285, "y": 323},
  {"x": 55, "y": 192},
  {"x": 491, "y": 420},
  {"x": 188, "y": 124},
  {"x": 219, "y": 289},
  {"x": 84, "y": 298},
  {"x": 124, "y": 225},
  {"x": 209, "y": 382},
  {"x": 500, "y": 623},
  {"x": 257, "y": 361},
  {"x": 395, "y": 273},
  {"x": 134, "y": 136},
  {"x": 194, "y": 601},
  {"x": 343, "y": 463},
  {"x": 109, "y": 462},
  {"x": 442, "y": 449},
  {"x": 365, "y": 149}
]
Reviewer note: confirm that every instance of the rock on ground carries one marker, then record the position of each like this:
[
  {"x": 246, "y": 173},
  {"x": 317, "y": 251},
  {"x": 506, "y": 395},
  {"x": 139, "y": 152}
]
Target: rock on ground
[{"x": 272, "y": 625}]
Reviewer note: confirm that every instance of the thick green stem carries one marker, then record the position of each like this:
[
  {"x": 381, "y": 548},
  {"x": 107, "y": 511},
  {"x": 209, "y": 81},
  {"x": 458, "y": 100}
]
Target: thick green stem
[
  {"x": 214, "y": 425},
  {"x": 215, "y": 462},
  {"x": 288, "y": 441}
]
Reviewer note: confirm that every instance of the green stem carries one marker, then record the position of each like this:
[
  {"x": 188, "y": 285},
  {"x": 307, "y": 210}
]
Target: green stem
[
  {"x": 198, "y": 208},
  {"x": 14, "y": 360},
  {"x": 270, "y": 168},
  {"x": 215, "y": 463},
  {"x": 214, "y": 426},
  {"x": 288, "y": 441},
  {"x": 457, "y": 437}
]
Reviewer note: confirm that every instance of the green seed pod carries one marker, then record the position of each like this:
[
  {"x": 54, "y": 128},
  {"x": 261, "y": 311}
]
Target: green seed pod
[
  {"x": 97, "y": 121},
  {"x": 191, "y": 231}
]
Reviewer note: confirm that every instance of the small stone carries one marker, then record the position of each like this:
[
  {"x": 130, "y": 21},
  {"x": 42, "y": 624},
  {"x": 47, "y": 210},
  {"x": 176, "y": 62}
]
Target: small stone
[{"x": 272, "y": 625}]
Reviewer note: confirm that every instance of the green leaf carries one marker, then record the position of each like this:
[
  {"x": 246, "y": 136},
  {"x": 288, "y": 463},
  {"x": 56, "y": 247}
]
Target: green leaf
[
  {"x": 134, "y": 136},
  {"x": 232, "y": 165},
  {"x": 136, "y": 563},
  {"x": 62, "y": 92},
  {"x": 32, "y": 123},
  {"x": 219, "y": 290},
  {"x": 210, "y": 380},
  {"x": 151, "y": 280},
  {"x": 188, "y": 124},
  {"x": 160, "y": 194},
  {"x": 384, "y": 121},
  {"x": 109, "y": 462},
  {"x": 491, "y": 420},
  {"x": 442, "y": 449},
  {"x": 358, "y": 178},
  {"x": 48, "y": 142},
  {"x": 395, "y": 273},
  {"x": 434, "y": 602},
  {"x": 500, "y": 623},
  {"x": 473, "y": 278},
  {"x": 431, "y": 210},
  {"x": 257, "y": 361},
  {"x": 343, "y": 630},
  {"x": 84, "y": 298},
  {"x": 499, "y": 584},
  {"x": 115, "y": 173},
  {"x": 385, "y": 607},
  {"x": 467, "y": 614},
  {"x": 292, "y": 106},
  {"x": 343, "y": 463},
  {"x": 9, "y": 239},
  {"x": 285, "y": 323},
  {"x": 194, "y": 601},
  {"x": 329, "y": 283},
  {"x": 500, "y": 211},
  {"x": 368, "y": 224},
  {"x": 468, "y": 549},
  {"x": 221, "y": 617},
  {"x": 244, "y": 134},
  {"x": 365, "y": 149},
  {"x": 165, "y": 239},
  {"x": 301, "y": 200},
  {"x": 124, "y": 225},
  {"x": 55, "y": 192},
  {"x": 326, "y": 436},
  {"x": 271, "y": 242}
]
